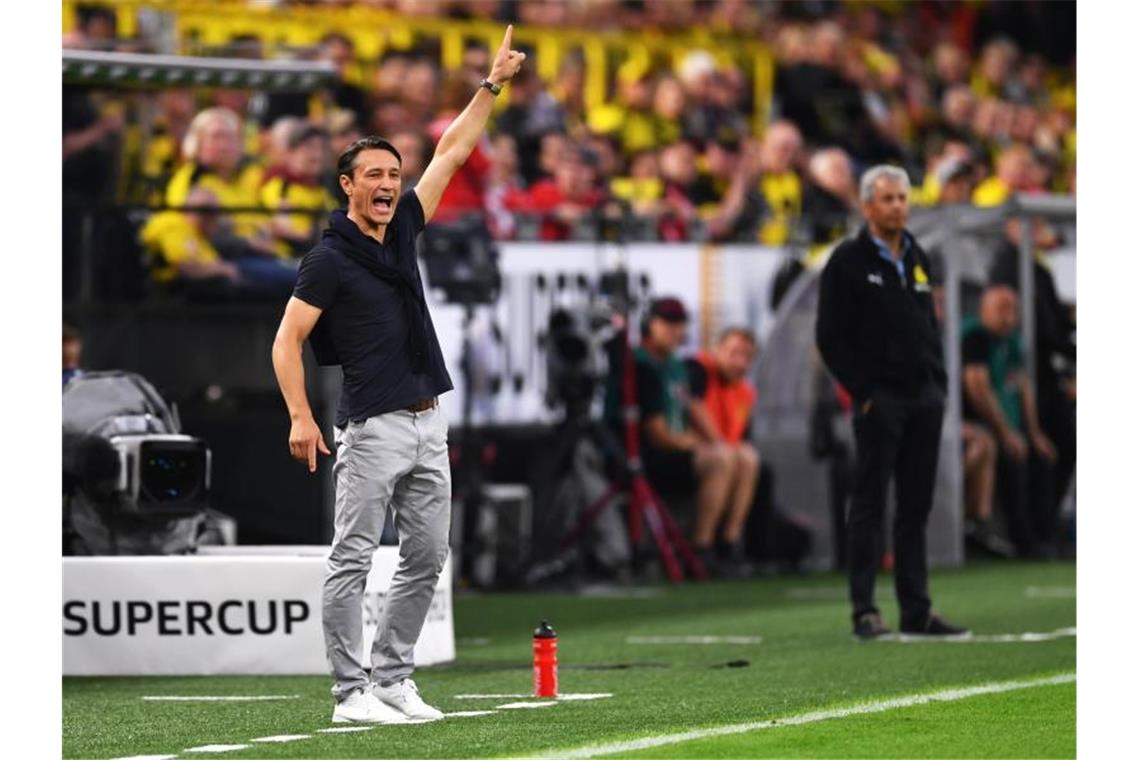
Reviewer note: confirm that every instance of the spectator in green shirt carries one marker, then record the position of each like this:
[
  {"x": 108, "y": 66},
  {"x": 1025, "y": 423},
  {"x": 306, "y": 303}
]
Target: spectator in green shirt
[
  {"x": 679, "y": 444},
  {"x": 997, "y": 394}
]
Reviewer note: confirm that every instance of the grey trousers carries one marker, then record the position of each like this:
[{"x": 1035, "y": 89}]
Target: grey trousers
[{"x": 396, "y": 460}]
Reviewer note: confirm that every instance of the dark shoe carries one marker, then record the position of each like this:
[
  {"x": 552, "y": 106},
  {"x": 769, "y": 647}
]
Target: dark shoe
[
  {"x": 870, "y": 626},
  {"x": 982, "y": 539},
  {"x": 732, "y": 560},
  {"x": 708, "y": 558},
  {"x": 935, "y": 626}
]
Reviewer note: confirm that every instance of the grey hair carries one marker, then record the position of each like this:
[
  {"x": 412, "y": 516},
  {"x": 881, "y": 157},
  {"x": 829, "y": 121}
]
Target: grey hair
[
  {"x": 192, "y": 142},
  {"x": 876, "y": 173}
]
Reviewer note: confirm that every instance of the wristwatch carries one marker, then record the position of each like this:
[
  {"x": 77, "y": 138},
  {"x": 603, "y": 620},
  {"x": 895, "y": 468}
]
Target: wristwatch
[{"x": 489, "y": 85}]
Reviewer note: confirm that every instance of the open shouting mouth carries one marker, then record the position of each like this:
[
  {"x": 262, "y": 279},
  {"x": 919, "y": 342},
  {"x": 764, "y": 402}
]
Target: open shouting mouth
[{"x": 383, "y": 203}]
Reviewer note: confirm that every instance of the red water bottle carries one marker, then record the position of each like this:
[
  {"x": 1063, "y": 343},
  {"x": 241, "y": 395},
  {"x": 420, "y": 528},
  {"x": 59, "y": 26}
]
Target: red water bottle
[{"x": 545, "y": 661}]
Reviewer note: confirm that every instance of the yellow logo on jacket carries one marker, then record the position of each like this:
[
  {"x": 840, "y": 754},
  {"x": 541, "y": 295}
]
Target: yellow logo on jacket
[{"x": 921, "y": 281}]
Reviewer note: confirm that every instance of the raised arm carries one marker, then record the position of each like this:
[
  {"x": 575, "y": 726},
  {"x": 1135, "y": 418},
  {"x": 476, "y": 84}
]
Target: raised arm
[
  {"x": 304, "y": 435},
  {"x": 463, "y": 134}
]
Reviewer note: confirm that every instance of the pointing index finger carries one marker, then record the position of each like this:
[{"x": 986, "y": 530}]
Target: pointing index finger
[{"x": 507, "y": 38}]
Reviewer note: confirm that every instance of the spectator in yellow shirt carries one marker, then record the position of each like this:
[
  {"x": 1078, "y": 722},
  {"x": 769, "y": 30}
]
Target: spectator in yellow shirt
[
  {"x": 297, "y": 186},
  {"x": 184, "y": 256},
  {"x": 163, "y": 152},
  {"x": 780, "y": 184},
  {"x": 212, "y": 150},
  {"x": 630, "y": 118},
  {"x": 178, "y": 242},
  {"x": 643, "y": 187},
  {"x": 1014, "y": 175},
  {"x": 995, "y": 69}
]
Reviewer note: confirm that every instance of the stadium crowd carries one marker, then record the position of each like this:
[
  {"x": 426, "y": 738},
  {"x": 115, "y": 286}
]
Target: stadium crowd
[{"x": 976, "y": 101}]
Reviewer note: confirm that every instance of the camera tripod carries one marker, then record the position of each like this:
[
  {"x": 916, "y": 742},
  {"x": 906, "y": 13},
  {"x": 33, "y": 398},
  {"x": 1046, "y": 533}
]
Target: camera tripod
[{"x": 645, "y": 506}]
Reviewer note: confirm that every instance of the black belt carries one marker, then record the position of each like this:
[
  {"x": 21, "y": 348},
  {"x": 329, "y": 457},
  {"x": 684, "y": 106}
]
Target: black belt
[{"x": 422, "y": 406}]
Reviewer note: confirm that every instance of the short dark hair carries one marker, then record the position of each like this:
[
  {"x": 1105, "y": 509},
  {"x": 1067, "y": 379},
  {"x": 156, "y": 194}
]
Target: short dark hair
[
  {"x": 346, "y": 163},
  {"x": 88, "y": 13}
]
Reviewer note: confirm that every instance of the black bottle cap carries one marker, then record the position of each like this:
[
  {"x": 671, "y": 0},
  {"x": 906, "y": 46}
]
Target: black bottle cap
[{"x": 545, "y": 631}]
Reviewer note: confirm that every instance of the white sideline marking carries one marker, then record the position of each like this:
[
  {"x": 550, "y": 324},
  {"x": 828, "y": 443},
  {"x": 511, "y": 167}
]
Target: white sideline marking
[
  {"x": 206, "y": 698},
  {"x": 568, "y": 697},
  {"x": 997, "y": 638},
  {"x": 619, "y": 592},
  {"x": 1050, "y": 592},
  {"x": 948, "y": 695},
  {"x": 344, "y": 729},
  {"x": 148, "y": 757},
  {"x": 283, "y": 738},
  {"x": 526, "y": 705},
  {"x": 217, "y": 748},
  {"x": 693, "y": 639},
  {"x": 468, "y": 713}
]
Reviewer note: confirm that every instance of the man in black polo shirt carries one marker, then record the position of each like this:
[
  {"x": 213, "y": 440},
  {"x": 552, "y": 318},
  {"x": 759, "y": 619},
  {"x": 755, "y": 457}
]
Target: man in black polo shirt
[
  {"x": 877, "y": 333},
  {"x": 360, "y": 301}
]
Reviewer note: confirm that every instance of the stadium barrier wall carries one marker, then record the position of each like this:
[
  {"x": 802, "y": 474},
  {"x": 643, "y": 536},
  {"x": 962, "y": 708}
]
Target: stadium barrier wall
[
  {"x": 720, "y": 285},
  {"x": 227, "y": 611}
]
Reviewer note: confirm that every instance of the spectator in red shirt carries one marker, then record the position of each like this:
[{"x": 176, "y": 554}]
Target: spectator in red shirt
[
  {"x": 678, "y": 164},
  {"x": 465, "y": 194},
  {"x": 566, "y": 198},
  {"x": 722, "y": 406},
  {"x": 504, "y": 179}
]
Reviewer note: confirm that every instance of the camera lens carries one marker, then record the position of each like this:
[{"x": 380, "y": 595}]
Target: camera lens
[{"x": 171, "y": 472}]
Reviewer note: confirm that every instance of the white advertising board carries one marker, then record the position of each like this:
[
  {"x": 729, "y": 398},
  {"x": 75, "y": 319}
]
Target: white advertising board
[{"x": 222, "y": 614}]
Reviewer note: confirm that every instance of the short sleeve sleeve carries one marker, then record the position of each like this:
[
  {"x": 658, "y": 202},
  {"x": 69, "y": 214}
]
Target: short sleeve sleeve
[
  {"x": 698, "y": 378},
  {"x": 1016, "y": 357},
  {"x": 650, "y": 391},
  {"x": 411, "y": 206},
  {"x": 318, "y": 278},
  {"x": 975, "y": 348}
]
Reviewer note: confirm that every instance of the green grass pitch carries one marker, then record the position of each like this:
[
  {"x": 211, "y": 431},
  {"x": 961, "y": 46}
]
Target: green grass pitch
[{"x": 806, "y": 661}]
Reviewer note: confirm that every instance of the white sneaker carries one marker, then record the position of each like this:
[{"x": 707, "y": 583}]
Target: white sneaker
[
  {"x": 362, "y": 706},
  {"x": 405, "y": 698}
]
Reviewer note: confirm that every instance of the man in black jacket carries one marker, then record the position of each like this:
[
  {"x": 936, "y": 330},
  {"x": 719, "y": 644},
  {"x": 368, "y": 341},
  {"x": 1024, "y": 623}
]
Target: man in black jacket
[{"x": 877, "y": 333}]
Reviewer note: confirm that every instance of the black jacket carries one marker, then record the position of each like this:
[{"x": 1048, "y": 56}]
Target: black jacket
[{"x": 873, "y": 332}]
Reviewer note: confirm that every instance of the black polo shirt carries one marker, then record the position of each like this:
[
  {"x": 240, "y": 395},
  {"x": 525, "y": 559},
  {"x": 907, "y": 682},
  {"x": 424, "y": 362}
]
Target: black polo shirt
[{"x": 364, "y": 320}]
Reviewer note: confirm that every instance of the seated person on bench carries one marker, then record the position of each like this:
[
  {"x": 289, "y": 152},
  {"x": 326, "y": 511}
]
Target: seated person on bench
[
  {"x": 681, "y": 453},
  {"x": 722, "y": 393}
]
